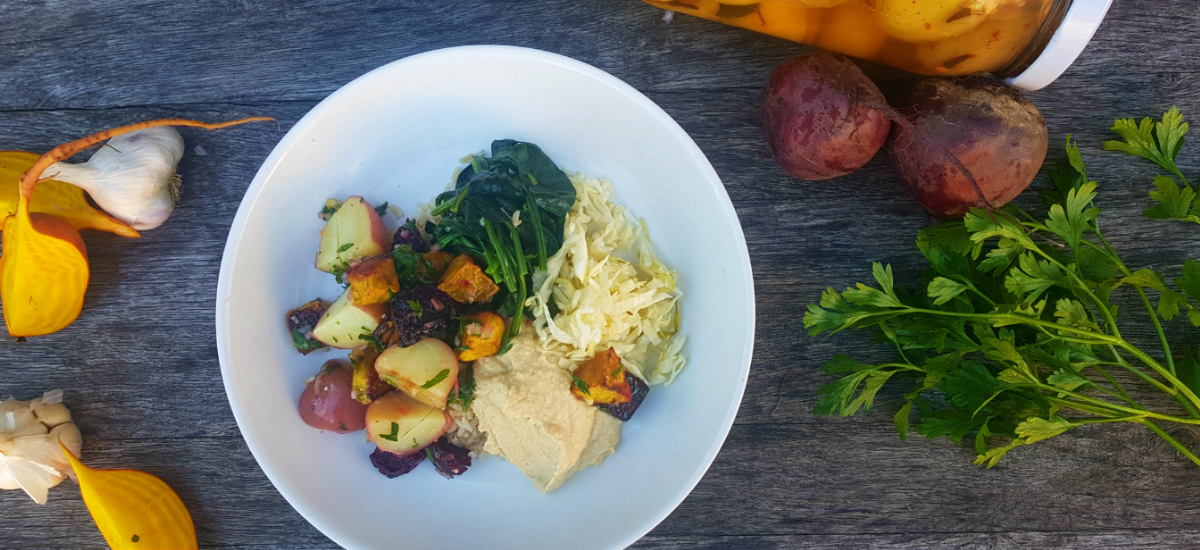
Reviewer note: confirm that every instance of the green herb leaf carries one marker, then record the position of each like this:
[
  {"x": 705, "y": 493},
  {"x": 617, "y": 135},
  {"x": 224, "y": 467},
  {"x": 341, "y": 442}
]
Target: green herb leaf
[
  {"x": 901, "y": 420},
  {"x": 437, "y": 379},
  {"x": 1037, "y": 429},
  {"x": 1068, "y": 380},
  {"x": 1189, "y": 283},
  {"x": 943, "y": 290},
  {"x": 1174, "y": 202},
  {"x": 345, "y": 247},
  {"x": 583, "y": 387},
  {"x": 382, "y": 209},
  {"x": 1147, "y": 278},
  {"x": 1069, "y": 223},
  {"x": 392, "y": 436},
  {"x": 416, "y": 307},
  {"x": 1159, "y": 142}
]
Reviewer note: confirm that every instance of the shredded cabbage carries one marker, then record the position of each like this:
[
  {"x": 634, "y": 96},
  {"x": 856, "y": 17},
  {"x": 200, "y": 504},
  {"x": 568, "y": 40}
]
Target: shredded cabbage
[{"x": 609, "y": 289}]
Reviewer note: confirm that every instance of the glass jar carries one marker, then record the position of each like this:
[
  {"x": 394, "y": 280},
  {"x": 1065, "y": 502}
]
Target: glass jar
[{"x": 1028, "y": 42}]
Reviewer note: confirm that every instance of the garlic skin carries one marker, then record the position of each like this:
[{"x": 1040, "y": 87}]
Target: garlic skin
[
  {"x": 132, "y": 177},
  {"x": 30, "y": 456}
]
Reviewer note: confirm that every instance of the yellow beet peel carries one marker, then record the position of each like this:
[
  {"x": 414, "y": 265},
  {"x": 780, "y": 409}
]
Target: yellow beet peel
[
  {"x": 43, "y": 269},
  {"x": 57, "y": 198},
  {"x": 134, "y": 509}
]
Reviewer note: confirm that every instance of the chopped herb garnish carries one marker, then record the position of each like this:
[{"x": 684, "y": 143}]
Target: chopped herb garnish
[
  {"x": 416, "y": 307},
  {"x": 392, "y": 436},
  {"x": 304, "y": 343},
  {"x": 328, "y": 210},
  {"x": 415, "y": 444},
  {"x": 136, "y": 538},
  {"x": 371, "y": 339},
  {"x": 465, "y": 393},
  {"x": 619, "y": 369},
  {"x": 345, "y": 247},
  {"x": 381, "y": 209},
  {"x": 429, "y": 455},
  {"x": 342, "y": 426},
  {"x": 583, "y": 387},
  {"x": 436, "y": 379}
]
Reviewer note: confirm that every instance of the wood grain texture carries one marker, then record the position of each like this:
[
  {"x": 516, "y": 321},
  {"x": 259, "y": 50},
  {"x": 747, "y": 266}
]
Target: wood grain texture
[{"x": 140, "y": 368}]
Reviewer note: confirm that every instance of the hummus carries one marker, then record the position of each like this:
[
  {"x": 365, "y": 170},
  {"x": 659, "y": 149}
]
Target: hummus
[{"x": 524, "y": 404}]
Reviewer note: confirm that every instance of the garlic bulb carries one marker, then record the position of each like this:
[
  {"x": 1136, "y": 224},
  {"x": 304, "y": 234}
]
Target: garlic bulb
[
  {"x": 132, "y": 177},
  {"x": 30, "y": 457}
]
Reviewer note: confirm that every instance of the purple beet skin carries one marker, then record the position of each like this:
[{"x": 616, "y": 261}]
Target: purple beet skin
[
  {"x": 408, "y": 234},
  {"x": 449, "y": 459},
  {"x": 624, "y": 411},
  {"x": 394, "y": 465}
]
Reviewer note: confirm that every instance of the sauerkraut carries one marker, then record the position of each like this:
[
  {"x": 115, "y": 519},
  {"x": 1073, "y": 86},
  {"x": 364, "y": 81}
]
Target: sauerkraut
[{"x": 609, "y": 290}]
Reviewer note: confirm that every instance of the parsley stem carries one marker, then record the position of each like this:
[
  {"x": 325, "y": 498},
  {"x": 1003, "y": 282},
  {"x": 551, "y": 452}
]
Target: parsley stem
[
  {"x": 1157, "y": 328},
  {"x": 1171, "y": 440},
  {"x": 1123, "y": 394},
  {"x": 1150, "y": 362}
]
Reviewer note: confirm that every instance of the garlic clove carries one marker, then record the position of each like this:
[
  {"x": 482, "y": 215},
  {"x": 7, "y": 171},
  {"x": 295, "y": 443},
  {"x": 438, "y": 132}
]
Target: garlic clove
[
  {"x": 70, "y": 437},
  {"x": 53, "y": 414},
  {"x": 132, "y": 177},
  {"x": 35, "y": 478},
  {"x": 18, "y": 420}
]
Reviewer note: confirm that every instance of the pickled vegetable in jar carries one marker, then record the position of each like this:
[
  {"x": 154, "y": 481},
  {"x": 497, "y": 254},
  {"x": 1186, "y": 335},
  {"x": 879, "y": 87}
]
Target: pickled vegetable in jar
[{"x": 930, "y": 37}]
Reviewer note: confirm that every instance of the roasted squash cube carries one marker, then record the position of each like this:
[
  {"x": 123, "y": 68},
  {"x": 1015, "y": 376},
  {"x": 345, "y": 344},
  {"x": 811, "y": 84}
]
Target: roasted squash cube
[
  {"x": 373, "y": 280},
  {"x": 466, "y": 282},
  {"x": 601, "y": 380},
  {"x": 366, "y": 384},
  {"x": 433, "y": 265},
  {"x": 480, "y": 335}
]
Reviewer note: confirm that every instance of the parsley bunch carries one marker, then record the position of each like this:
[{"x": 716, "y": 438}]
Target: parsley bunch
[
  {"x": 1014, "y": 333},
  {"x": 1160, "y": 142}
]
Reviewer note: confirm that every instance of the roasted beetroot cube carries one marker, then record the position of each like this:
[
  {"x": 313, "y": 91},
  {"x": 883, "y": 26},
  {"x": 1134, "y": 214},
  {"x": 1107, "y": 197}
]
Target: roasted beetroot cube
[
  {"x": 394, "y": 465},
  {"x": 408, "y": 234},
  {"x": 624, "y": 411},
  {"x": 415, "y": 315},
  {"x": 300, "y": 324},
  {"x": 449, "y": 459}
]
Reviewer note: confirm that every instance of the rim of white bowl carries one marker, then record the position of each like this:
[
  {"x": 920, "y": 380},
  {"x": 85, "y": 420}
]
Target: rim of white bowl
[{"x": 232, "y": 243}]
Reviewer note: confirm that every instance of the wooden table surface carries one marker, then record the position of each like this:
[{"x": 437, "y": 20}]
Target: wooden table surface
[{"x": 140, "y": 370}]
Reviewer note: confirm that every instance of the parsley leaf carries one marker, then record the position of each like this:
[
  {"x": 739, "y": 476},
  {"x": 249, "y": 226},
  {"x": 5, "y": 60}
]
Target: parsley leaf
[
  {"x": 392, "y": 436},
  {"x": 583, "y": 387},
  {"x": 382, "y": 209},
  {"x": 416, "y": 307},
  {"x": 345, "y": 247},
  {"x": 437, "y": 379},
  {"x": 1159, "y": 142},
  {"x": 1174, "y": 202}
]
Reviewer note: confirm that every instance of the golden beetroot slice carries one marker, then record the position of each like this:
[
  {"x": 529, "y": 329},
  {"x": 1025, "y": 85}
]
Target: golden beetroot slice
[{"x": 966, "y": 143}]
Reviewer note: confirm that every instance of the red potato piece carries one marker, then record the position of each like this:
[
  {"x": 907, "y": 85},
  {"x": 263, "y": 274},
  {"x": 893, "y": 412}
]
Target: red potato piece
[
  {"x": 426, "y": 370},
  {"x": 822, "y": 116},
  {"x": 994, "y": 132},
  {"x": 326, "y": 403},
  {"x": 354, "y": 231},
  {"x": 343, "y": 324},
  {"x": 401, "y": 425}
]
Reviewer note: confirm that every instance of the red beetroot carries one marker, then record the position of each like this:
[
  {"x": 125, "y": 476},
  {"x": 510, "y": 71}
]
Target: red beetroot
[
  {"x": 823, "y": 117},
  {"x": 974, "y": 123}
]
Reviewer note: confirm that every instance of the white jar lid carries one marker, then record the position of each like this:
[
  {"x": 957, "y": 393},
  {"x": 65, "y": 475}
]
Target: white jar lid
[{"x": 1073, "y": 34}]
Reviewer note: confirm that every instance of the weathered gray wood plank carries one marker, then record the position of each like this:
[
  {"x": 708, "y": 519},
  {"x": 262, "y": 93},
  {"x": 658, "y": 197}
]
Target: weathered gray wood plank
[{"x": 140, "y": 366}]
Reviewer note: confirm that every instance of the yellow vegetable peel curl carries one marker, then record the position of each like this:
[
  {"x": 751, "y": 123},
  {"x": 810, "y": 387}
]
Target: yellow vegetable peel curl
[
  {"x": 43, "y": 269},
  {"x": 134, "y": 509}
]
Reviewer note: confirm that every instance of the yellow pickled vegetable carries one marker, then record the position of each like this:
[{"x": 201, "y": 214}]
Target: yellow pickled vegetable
[
  {"x": 56, "y": 198},
  {"x": 991, "y": 44},
  {"x": 134, "y": 510},
  {"x": 930, "y": 20},
  {"x": 850, "y": 29}
]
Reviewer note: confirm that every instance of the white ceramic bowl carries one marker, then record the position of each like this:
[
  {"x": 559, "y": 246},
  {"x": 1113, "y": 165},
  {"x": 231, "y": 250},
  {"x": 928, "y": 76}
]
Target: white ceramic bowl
[{"x": 396, "y": 134}]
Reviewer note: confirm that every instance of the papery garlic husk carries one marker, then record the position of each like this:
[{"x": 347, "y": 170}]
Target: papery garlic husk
[
  {"x": 30, "y": 456},
  {"x": 132, "y": 177}
]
